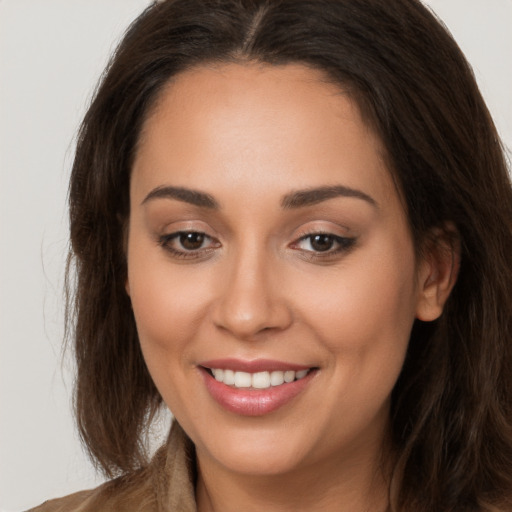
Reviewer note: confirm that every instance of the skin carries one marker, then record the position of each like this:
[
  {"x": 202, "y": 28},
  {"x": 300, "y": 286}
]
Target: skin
[{"x": 249, "y": 135}]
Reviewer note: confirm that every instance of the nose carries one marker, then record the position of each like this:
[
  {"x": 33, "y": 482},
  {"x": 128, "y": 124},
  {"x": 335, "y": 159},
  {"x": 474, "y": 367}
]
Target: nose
[{"x": 252, "y": 298}]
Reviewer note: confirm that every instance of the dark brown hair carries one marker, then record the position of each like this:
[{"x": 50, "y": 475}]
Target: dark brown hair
[{"x": 451, "y": 407}]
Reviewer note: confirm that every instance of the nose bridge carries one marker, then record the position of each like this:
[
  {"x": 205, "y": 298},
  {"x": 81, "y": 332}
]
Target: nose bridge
[{"x": 250, "y": 300}]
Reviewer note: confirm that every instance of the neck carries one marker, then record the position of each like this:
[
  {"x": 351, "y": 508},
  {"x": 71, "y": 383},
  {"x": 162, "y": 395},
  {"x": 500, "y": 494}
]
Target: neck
[{"x": 359, "y": 485}]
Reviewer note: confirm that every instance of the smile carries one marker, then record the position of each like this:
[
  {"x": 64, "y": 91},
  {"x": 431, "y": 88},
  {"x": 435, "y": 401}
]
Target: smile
[
  {"x": 255, "y": 388},
  {"x": 258, "y": 380}
]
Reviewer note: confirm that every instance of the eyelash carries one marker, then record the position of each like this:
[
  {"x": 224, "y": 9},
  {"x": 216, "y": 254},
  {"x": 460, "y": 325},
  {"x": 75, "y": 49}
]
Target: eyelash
[
  {"x": 344, "y": 244},
  {"x": 166, "y": 240}
]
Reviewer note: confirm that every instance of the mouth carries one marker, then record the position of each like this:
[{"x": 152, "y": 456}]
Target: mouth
[
  {"x": 256, "y": 380},
  {"x": 255, "y": 388}
]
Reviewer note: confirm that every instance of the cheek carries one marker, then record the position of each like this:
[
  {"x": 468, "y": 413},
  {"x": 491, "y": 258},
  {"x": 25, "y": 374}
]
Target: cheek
[
  {"x": 167, "y": 304},
  {"x": 364, "y": 309},
  {"x": 168, "y": 312}
]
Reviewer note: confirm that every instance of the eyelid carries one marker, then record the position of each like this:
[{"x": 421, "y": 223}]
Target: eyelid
[
  {"x": 341, "y": 244},
  {"x": 337, "y": 238},
  {"x": 165, "y": 240},
  {"x": 344, "y": 245}
]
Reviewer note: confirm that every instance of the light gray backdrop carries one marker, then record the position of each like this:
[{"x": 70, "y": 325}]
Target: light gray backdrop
[{"x": 51, "y": 54}]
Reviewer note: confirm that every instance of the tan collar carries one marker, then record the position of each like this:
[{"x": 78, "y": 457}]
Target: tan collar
[{"x": 176, "y": 473}]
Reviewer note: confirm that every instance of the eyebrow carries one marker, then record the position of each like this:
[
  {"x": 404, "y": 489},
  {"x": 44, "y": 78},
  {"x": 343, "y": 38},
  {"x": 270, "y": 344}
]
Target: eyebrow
[
  {"x": 293, "y": 200},
  {"x": 312, "y": 196},
  {"x": 186, "y": 195}
]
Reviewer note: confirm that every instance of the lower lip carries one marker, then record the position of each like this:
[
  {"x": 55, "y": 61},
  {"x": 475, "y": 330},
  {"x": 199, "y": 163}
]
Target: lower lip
[{"x": 254, "y": 402}]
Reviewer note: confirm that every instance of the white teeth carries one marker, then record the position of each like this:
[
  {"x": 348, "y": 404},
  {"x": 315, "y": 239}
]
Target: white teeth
[
  {"x": 289, "y": 376},
  {"x": 243, "y": 380},
  {"x": 229, "y": 377},
  {"x": 258, "y": 380},
  {"x": 218, "y": 374},
  {"x": 261, "y": 380},
  {"x": 276, "y": 378},
  {"x": 300, "y": 374}
]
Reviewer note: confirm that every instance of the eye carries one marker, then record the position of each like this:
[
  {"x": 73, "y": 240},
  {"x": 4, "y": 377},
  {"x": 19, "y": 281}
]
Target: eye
[
  {"x": 191, "y": 241},
  {"x": 327, "y": 243},
  {"x": 188, "y": 244},
  {"x": 320, "y": 242}
]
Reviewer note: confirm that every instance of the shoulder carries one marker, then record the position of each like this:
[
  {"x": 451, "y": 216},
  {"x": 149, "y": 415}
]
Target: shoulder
[
  {"x": 166, "y": 483},
  {"x": 134, "y": 492},
  {"x": 71, "y": 503}
]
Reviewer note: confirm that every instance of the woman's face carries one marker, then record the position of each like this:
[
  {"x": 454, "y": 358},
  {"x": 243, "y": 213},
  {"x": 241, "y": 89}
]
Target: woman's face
[{"x": 267, "y": 244}]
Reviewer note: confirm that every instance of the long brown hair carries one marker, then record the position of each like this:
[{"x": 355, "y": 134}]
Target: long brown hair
[{"x": 451, "y": 407}]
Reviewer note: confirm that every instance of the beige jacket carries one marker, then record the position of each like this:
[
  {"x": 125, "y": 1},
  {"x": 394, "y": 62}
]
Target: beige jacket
[{"x": 165, "y": 485}]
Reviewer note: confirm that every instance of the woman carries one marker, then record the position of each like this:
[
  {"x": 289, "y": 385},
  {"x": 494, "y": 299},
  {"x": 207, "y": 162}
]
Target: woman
[{"x": 291, "y": 222}]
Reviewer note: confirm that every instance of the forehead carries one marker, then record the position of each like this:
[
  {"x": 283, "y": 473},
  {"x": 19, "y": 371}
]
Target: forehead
[{"x": 283, "y": 126}]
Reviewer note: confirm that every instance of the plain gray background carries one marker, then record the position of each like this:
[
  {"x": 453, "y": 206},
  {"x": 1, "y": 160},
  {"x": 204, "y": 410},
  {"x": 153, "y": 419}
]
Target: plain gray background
[{"x": 51, "y": 54}]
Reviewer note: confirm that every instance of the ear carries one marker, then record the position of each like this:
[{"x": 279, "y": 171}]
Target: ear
[{"x": 437, "y": 271}]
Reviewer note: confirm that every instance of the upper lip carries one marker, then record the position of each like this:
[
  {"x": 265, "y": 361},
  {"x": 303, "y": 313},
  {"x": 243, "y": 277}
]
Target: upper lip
[{"x": 253, "y": 366}]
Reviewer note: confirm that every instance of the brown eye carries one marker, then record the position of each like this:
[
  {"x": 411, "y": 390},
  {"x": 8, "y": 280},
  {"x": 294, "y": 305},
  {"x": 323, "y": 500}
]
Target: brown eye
[
  {"x": 192, "y": 241},
  {"x": 188, "y": 244},
  {"x": 321, "y": 243},
  {"x": 324, "y": 244}
]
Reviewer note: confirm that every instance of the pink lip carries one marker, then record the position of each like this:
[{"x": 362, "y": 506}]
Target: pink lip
[
  {"x": 254, "y": 402},
  {"x": 256, "y": 365}
]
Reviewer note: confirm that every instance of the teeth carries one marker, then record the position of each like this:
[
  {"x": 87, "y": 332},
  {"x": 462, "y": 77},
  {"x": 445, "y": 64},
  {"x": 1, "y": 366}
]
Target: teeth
[
  {"x": 289, "y": 376},
  {"x": 259, "y": 380},
  {"x": 229, "y": 377},
  {"x": 301, "y": 374},
  {"x": 276, "y": 378},
  {"x": 243, "y": 380}
]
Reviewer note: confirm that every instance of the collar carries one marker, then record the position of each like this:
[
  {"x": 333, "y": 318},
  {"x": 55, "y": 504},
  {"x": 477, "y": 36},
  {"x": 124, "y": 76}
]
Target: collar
[{"x": 175, "y": 473}]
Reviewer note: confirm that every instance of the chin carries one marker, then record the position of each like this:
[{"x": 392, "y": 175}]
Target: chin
[
  {"x": 254, "y": 451},
  {"x": 260, "y": 461}
]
